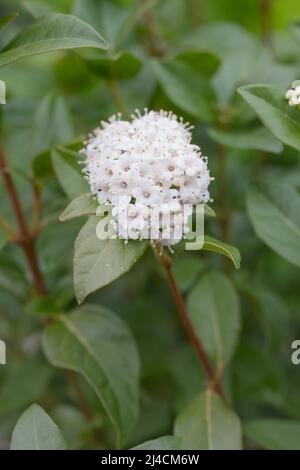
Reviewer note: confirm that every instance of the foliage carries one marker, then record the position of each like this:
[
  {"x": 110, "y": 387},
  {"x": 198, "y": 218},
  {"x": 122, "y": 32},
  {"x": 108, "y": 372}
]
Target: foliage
[{"x": 119, "y": 371}]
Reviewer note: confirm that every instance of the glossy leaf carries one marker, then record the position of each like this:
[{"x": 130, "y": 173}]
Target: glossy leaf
[
  {"x": 35, "y": 430},
  {"x": 49, "y": 33},
  {"x": 216, "y": 246},
  {"x": 213, "y": 307},
  {"x": 272, "y": 108},
  {"x": 97, "y": 344},
  {"x": 207, "y": 424}
]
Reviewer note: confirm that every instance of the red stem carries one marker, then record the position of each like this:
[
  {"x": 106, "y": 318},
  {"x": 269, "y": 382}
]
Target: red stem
[
  {"x": 25, "y": 238},
  {"x": 180, "y": 303}
]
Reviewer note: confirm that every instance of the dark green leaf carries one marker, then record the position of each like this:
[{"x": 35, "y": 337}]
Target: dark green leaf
[
  {"x": 5, "y": 20},
  {"x": 202, "y": 62},
  {"x": 97, "y": 344},
  {"x": 274, "y": 434},
  {"x": 186, "y": 88},
  {"x": 52, "y": 32},
  {"x": 214, "y": 311},
  {"x": 120, "y": 65},
  {"x": 216, "y": 246}
]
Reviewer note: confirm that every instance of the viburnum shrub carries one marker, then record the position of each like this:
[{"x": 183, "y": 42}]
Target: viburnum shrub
[{"x": 176, "y": 348}]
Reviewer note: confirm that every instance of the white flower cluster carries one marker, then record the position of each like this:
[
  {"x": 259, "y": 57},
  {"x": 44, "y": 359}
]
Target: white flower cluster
[
  {"x": 293, "y": 94},
  {"x": 149, "y": 172}
]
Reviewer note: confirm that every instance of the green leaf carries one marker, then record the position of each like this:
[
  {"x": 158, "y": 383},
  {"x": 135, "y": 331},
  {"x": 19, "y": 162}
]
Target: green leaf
[
  {"x": 274, "y": 434},
  {"x": 42, "y": 163},
  {"x": 119, "y": 65},
  {"x": 51, "y": 124},
  {"x": 37, "y": 8},
  {"x": 85, "y": 204},
  {"x": 186, "y": 88},
  {"x": 69, "y": 171},
  {"x": 275, "y": 215},
  {"x": 216, "y": 246},
  {"x": 271, "y": 107},
  {"x": 97, "y": 344},
  {"x": 49, "y": 33},
  {"x": 35, "y": 430},
  {"x": 5, "y": 20},
  {"x": 258, "y": 139},
  {"x": 17, "y": 391},
  {"x": 99, "y": 262},
  {"x": 161, "y": 443},
  {"x": 186, "y": 269},
  {"x": 207, "y": 424},
  {"x": 202, "y": 62},
  {"x": 214, "y": 311}
]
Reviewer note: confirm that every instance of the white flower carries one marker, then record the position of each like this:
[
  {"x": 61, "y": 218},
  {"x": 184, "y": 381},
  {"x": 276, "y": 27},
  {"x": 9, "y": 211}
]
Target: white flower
[
  {"x": 293, "y": 94},
  {"x": 147, "y": 169}
]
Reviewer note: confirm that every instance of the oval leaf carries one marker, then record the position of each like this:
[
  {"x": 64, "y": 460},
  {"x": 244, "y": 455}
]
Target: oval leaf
[
  {"x": 97, "y": 344},
  {"x": 35, "y": 430},
  {"x": 258, "y": 139},
  {"x": 216, "y": 246},
  {"x": 120, "y": 65},
  {"x": 271, "y": 107},
  {"x": 186, "y": 88},
  {"x": 274, "y": 434},
  {"x": 275, "y": 216},
  {"x": 161, "y": 443},
  {"x": 68, "y": 171},
  {"x": 214, "y": 311},
  {"x": 99, "y": 262},
  {"x": 207, "y": 424},
  {"x": 49, "y": 33},
  {"x": 85, "y": 204}
]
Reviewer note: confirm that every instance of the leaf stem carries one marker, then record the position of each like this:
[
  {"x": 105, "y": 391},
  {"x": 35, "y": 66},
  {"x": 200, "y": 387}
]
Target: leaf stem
[
  {"x": 266, "y": 21},
  {"x": 155, "y": 46},
  {"x": 116, "y": 94},
  {"x": 166, "y": 263},
  {"x": 25, "y": 238}
]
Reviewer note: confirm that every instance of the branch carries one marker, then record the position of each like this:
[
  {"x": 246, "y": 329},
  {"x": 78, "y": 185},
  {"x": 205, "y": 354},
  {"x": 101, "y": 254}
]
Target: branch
[
  {"x": 24, "y": 238},
  {"x": 166, "y": 263},
  {"x": 155, "y": 44}
]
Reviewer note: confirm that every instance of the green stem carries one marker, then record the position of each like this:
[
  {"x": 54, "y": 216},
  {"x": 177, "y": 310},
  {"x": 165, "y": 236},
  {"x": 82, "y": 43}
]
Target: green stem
[{"x": 116, "y": 94}]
